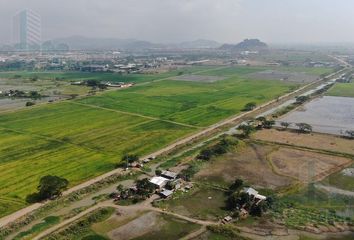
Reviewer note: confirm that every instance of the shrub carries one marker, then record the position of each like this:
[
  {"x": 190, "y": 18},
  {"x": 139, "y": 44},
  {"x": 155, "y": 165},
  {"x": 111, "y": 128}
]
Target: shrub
[
  {"x": 222, "y": 147},
  {"x": 225, "y": 230},
  {"x": 250, "y": 106},
  {"x": 28, "y": 104}
]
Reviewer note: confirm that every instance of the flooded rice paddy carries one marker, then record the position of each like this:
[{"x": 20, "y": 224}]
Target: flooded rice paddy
[{"x": 332, "y": 115}]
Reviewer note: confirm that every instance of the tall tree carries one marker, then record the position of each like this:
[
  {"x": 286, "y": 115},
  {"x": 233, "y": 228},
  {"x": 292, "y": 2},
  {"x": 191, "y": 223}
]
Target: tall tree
[{"x": 51, "y": 186}]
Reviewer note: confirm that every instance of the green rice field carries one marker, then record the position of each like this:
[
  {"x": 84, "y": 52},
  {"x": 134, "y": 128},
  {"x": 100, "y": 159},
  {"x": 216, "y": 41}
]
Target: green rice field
[
  {"x": 114, "y": 77},
  {"x": 73, "y": 141},
  {"x": 87, "y": 137},
  {"x": 193, "y": 103},
  {"x": 342, "y": 90}
]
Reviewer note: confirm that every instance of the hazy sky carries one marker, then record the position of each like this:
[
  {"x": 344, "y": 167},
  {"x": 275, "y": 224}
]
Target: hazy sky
[{"x": 298, "y": 21}]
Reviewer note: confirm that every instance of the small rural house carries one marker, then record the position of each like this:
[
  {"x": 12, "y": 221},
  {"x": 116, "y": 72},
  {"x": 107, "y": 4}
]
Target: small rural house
[
  {"x": 159, "y": 182},
  {"x": 169, "y": 175},
  {"x": 252, "y": 192},
  {"x": 166, "y": 193},
  {"x": 227, "y": 219}
]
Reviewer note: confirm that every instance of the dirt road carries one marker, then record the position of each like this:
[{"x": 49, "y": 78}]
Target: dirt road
[{"x": 335, "y": 190}]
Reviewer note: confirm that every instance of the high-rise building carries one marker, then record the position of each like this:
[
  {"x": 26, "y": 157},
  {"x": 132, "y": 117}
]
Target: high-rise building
[{"x": 27, "y": 30}]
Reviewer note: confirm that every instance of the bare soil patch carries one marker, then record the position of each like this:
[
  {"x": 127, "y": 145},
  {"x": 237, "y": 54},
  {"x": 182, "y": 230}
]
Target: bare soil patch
[
  {"x": 297, "y": 77},
  {"x": 315, "y": 141},
  {"x": 137, "y": 227},
  {"x": 250, "y": 164},
  {"x": 306, "y": 166},
  {"x": 117, "y": 220}
]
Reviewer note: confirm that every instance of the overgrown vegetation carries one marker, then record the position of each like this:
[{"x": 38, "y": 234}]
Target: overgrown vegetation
[
  {"x": 81, "y": 228},
  {"x": 226, "y": 144},
  {"x": 227, "y": 231},
  {"x": 311, "y": 207},
  {"x": 46, "y": 223},
  {"x": 187, "y": 174}
]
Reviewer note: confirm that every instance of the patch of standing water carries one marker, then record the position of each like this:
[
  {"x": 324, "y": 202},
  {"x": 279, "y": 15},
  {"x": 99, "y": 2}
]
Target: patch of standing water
[
  {"x": 332, "y": 115},
  {"x": 349, "y": 172}
]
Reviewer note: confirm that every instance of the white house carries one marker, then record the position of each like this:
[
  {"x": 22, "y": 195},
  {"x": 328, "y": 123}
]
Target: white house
[
  {"x": 159, "y": 182},
  {"x": 255, "y": 194}
]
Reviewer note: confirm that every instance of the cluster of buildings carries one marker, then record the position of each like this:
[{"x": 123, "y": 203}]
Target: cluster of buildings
[
  {"x": 319, "y": 64},
  {"x": 105, "y": 84},
  {"x": 85, "y": 61},
  {"x": 167, "y": 182},
  {"x": 345, "y": 78},
  {"x": 243, "y": 214}
]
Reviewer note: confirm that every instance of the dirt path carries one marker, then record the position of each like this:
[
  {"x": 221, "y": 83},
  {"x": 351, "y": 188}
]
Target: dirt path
[
  {"x": 135, "y": 114},
  {"x": 68, "y": 221},
  {"x": 239, "y": 117},
  {"x": 335, "y": 190},
  {"x": 195, "y": 234},
  {"x": 144, "y": 206}
]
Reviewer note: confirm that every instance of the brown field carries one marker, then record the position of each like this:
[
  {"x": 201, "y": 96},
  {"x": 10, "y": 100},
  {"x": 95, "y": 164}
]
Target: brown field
[
  {"x": 271, "y": 166},
  {"x": 250, "y": 164},
  {"x": 117, "y": 220},
  {"x": 284, "y": 76},
  {"x": 306, "y": 166},
  {"x": 315, "y": 140},
  {"x": 145, "y": 226},
  {"x": 141, "y": 225}
]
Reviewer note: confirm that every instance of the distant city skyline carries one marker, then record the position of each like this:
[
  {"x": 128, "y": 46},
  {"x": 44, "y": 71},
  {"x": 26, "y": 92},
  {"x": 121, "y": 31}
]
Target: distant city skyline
[
  {"x": 27, "y": 30},
  {"x": 171, "y": 21}
]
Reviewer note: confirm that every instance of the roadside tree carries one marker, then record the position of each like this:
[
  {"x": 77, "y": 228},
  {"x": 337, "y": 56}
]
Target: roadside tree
[
  {"x": 250, "y": 106},
  {"x": 285, "y": 125},
  {"x": 246, "y": 129},
  {"x": 49, "y": 187}
]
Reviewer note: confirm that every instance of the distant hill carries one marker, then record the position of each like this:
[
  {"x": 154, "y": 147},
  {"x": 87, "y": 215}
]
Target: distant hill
[
  {"x": 246, "y": 45},
  {"x": 200, "y": 43},
  {"x": 85, "y": 43}
]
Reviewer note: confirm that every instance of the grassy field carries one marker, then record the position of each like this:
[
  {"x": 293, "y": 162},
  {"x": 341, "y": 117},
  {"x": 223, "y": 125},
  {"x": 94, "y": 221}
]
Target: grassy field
[
  {"x": 192, "y": 103},
  {"x": 87, "y": 137},
  {"x": 114, "y": 77},
  {"x": 72, "y": 141},
  {"x": 232, "y": 71},
  {"x": 342, "y": 90},
  {"x": 239, "y": 71},
  {"x": 189, "y": 204},
  {"x": 318, "y": 71},
  {"x": 339, "y": 180},
  {"x": 294, "y": 56}
]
